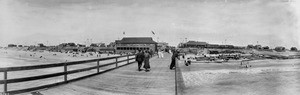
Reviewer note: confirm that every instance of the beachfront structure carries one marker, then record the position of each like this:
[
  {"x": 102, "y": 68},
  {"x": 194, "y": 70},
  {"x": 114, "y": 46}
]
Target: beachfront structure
[
  {"x": 132, "y": 44},
  {"x": 111, "y": 44},
  {"x": 11, "y": 45},
  {"x": 41, "y": 45},
  {"x": 98, "y": 45},
  {"x": 197, "y": 44},
  {"x": 266, "y": 48},
  {"x": 67, "y": 45},
  {"x": 81, "y": 45},
  {"x": 213, "y": 46},
  {"x": 194, "y": 44}
]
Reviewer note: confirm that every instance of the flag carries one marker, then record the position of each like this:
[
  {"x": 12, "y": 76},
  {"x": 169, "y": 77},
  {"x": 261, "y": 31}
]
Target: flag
[
  {"x": 123, "y": 33},
  {"x": 153, "y": 33}
]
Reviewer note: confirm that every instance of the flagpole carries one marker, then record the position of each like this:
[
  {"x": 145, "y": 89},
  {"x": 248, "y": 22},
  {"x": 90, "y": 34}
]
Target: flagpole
[{"x": 154, "y": 35}]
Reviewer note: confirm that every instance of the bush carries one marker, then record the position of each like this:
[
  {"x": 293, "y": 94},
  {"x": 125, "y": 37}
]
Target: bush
[{"x": 294, "y": 49}]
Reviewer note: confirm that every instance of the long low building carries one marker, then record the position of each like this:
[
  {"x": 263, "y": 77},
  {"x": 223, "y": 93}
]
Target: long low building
[
  {"x": 132, "y": 44},
  {"x": 197, "y": 44}
]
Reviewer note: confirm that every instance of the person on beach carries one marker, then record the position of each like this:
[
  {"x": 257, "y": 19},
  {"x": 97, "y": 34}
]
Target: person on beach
[
  {"x": 139, "y": 58},
  {"x": 188, "y": 62},
  {"x": 146, "y": 61},
  {"x": 174, "y": 56}
]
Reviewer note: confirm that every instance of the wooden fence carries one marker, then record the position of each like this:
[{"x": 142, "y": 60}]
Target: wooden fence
[{"x": 65, "y": 73}]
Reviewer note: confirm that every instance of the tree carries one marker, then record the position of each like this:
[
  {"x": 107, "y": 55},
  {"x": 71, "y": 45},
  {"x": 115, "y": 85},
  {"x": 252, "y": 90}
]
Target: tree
[
  {"x": 279, "y": 49},
  {"x": 250, "y": 46},
  {"x": 294, "y": 49}
]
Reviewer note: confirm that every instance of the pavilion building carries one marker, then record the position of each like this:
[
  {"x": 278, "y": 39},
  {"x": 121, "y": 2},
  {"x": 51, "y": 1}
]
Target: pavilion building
[{"x": 132, "y": 44}]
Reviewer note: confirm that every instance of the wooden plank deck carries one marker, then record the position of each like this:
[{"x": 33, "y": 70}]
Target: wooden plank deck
[{"x": 124, "y": 81}]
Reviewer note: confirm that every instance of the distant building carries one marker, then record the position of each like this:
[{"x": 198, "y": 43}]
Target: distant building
[
  {"x": 132, "y": 44},
  {"x": 112, "y": 44},
  {"x": 41, "y": 45},
  {"x": 266, "y": 47},
  {"x": 250, "y": 46},
  {"x": 257, "y": 47},
  {"x": 67, "y": 45},
  {"x": 98, "y": 45},
  {"x": 194, "y": 44},
  {"x": 213, "y": 46},
  {"x": 11, "y": 45},
  {"x": 81, "y": 45}
]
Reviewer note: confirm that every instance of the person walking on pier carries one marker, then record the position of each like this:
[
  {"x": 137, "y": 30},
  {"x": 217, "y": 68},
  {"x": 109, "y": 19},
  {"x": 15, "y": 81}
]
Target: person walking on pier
[
  {"x": 139, "y": 58},
  {"x": 160, "y": 54},
  {"x": 146, "y": 61},
  {"x": 174, "y": 56}
]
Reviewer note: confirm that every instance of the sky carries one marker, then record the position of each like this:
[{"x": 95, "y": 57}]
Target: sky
[{"x": 237, "y": 22}]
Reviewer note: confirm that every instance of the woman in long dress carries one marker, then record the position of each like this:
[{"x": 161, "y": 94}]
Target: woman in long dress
[{"x": 146, "y": 61}]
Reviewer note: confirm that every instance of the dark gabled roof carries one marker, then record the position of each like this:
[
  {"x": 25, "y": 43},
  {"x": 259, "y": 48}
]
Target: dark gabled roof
[
  {"x": 137, "y": 40},
  {"x": 196, "y": 43}
]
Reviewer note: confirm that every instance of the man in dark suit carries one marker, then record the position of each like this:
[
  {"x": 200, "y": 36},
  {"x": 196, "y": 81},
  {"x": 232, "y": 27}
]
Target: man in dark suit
[
  {"x": 140, "y": 58},
  {"x": 174, "y": 57}
]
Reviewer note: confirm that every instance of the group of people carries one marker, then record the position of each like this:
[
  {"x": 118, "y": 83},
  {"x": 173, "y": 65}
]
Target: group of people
[{"x": 144, "y": 56}]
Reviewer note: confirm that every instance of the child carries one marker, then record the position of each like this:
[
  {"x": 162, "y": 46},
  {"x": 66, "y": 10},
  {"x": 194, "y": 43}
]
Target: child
[{"x": 188, "y": 62}]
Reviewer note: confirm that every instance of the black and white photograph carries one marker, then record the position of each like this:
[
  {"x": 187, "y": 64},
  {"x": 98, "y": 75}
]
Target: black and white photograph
[{"x": 149, "y": 47}]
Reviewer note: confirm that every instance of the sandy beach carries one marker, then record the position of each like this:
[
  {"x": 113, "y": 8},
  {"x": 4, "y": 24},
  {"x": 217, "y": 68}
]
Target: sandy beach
[
  {"x": 265, "y": 77},
  {"x": 11, "y": 58}
]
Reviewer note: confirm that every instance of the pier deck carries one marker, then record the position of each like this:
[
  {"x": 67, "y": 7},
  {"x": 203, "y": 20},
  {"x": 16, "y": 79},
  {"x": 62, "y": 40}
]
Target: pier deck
[{"x": 124, "y": 81}]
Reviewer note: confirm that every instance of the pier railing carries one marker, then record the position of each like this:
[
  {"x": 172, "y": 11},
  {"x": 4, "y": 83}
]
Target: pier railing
[{"x": 5, "y": 82}]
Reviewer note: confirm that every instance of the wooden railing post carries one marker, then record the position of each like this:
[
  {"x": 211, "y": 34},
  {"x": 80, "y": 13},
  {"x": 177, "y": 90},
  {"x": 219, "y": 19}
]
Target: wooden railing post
[
  {"x": 176, "y": 68},
  {"x": 116, "y": 62},
  {"x": 127, "y": 59},
  {"x": 5, "y": 83},
  {"x": 66, "y": 73},
  {"x": 98, "y": 66}
]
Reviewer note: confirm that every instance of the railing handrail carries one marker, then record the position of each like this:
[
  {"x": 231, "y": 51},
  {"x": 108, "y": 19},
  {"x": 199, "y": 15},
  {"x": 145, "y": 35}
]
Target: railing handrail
[
  {"x": 6, "y": 81},
  {"x": 19, "y": 68}
]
